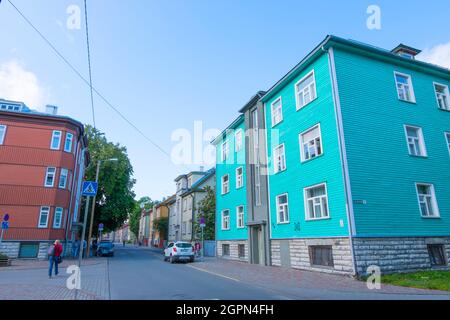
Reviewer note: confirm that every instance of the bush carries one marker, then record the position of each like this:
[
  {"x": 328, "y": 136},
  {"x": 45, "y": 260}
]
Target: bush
[{"x": 3, "y": 257}]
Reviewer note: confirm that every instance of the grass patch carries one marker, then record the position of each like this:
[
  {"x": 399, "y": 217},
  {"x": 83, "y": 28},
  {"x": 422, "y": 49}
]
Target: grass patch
[{"x": 434, "y": 280}]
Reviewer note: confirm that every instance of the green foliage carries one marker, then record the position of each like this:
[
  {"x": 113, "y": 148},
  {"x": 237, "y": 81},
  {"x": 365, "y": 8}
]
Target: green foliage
[
  {"x": 434, "y": 280},
  {"x": 135, "y": 215},
  {"x": 115, "y": 198},
  {"x": 207, "y": 209},
  {"x": 162, "y": 225}
]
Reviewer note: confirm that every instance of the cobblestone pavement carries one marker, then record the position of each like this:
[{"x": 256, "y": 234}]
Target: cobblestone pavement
[
  {"x": 28, "y": 280},
  {"x": 317, "y": 285}
]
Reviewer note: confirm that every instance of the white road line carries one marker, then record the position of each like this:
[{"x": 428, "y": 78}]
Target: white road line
[{"x": 213, "y": 273}]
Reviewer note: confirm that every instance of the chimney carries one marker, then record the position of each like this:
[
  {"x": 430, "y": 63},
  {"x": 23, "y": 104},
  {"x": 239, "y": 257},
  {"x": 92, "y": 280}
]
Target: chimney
[
  {"x": 406, "y": 51},
  {"x": 53, "y": 110}
]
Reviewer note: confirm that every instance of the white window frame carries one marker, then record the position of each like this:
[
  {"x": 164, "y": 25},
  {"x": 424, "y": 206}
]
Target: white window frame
[
  {"x": 286, "y": 217},
  {"x": 238, "y": 141},
  {"x": 225, "y": 151},
  {"x": 53, "y": 138},
  {"x": 280, "y": 111},
  {"x": 63, "y": 173},
  {"x": 225, "y": 220},
  {"x": 44, "y": 209},
  {"x": 433, "y": 201},
  {"x": 227, "y": 185},
  {"x": 422, "y": 144},
  {"x": 410, "y": 84},
  {"x": 283, "y": 158},
  {"x": 447, "y": 139},
  {"x": 302, "y": 143},
  {"x": 306, "y": 199},
  {"x": 69, "y": 150},
  {"x": 297, "y": 93},
  {"x": 60, "y": 211},
  {"x": 3, "y": 135},
  {"x": 47, "y": 174},
  {"x": 447, "y": 93},
  {"x": 240, "y": 217},
  {"x": 239, "y": 178}
]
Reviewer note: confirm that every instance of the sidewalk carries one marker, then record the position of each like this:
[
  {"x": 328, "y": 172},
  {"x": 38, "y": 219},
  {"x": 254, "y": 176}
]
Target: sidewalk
[
  {"x": 312, "y": 285},
  {"x": 28, "y": 280}
]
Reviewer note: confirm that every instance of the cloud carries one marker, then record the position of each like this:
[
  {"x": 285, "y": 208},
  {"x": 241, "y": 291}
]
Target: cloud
[
  {"x": 439, "y": 55},
  {"x": 17, "y": 83}
]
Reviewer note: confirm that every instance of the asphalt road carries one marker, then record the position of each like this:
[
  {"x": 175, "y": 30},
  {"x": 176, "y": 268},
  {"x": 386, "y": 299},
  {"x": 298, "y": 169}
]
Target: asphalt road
[{"x": 140, "y": 274}]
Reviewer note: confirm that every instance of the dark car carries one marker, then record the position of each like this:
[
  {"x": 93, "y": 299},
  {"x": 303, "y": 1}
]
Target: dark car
[{"x": 105, "y": 248}]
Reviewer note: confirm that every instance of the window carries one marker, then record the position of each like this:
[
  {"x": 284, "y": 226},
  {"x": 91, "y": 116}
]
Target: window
[
  {"x": 57, "y": 221},
  {"x": 404, "y": 87},
  {"x": 225, "y": 184},
  {"x": 240, "y": 217},
  {"x": 63, "y": 178},
  {"x": 321, "y": 256},
  {"x": 2, "y": 133},
  {"x": 225, "y": 151},
  {"x": 442, "y": 96},
  {"x": 316, "y": 202},
  {"x": 241, "y": 251},
  {"x": 238, "y": 140},
  {"x": 282, "y": 208},
  {"x": 50, "y": 177},
  {"x": 437, "y": 255},
  {"x": 225, "y": 250},
  {"x": 56, "y": 140},
  {"x": 311, "y": 143},
  {"x": 415, "y": 140},
  {"x": 279, "y": 159},
  {"x": 447, "y": 137},
  {"x": 183, "y": 226},
  {"x": 277, "y": 112},
  {"x": 185, "y": 204},
  {"x": 239, "y": 177},
  {"x": 305, "y": 90},
  {"x": 68, "y": 143},
  {"x": 427, "y": 200},
  {"x": 43, "y": 217},
  {"x": 226, "y": 220}
]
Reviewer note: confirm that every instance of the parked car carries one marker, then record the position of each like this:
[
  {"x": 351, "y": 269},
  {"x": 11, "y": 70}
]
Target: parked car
[
  {"x": 179, "y": 251},
  {"x": 105, "y": 248}
]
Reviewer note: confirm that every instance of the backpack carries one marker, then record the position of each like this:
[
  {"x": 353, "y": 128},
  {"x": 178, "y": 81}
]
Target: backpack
[{"x": 51, "y": 250}]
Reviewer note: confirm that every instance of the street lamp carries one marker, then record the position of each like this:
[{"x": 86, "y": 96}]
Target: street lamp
[{"x": 93, "y": 203}]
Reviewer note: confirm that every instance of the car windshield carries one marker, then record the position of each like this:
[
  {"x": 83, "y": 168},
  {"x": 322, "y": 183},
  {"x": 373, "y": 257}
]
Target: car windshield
[
  {"x": 184, "y": 245},
  {"x": 106, "y": 244}
]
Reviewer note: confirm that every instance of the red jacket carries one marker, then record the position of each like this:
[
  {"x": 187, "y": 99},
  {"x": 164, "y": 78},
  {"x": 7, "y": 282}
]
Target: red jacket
[{"x": 58, "y": 250}]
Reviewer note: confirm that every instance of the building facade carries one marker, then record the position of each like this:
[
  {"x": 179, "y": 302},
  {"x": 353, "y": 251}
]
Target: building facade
[
  {"x": 42, "y": 162},
  {"x": 162, "y": 211},
  {"x": 358, "y": 161}
]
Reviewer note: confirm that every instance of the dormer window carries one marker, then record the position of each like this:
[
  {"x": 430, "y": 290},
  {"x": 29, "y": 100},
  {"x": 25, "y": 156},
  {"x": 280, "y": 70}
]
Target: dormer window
[{"x": 406, "y": 51}]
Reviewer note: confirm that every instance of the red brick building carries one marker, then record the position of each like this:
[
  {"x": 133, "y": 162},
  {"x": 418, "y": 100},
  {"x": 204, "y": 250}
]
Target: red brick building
[{"x": 42, "y": 162}]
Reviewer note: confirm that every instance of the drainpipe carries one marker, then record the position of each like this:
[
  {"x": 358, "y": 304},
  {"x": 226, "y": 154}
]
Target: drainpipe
[{"x": 343, "y": 155}]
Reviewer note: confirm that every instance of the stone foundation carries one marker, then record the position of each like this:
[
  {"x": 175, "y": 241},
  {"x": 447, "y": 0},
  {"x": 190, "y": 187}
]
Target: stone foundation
[
  {"x": 296, "y": 254},
  {"x": 396, "y": 254},
  {"x": 234, "y": 251},
  {"x": 10, "y": 249}
]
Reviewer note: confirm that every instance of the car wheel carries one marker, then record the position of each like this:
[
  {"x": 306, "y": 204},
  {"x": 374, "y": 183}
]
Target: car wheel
[{"x": 192, "y": 259}]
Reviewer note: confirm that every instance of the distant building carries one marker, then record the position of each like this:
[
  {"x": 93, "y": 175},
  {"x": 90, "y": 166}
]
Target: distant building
[
  {"x": 161, "y": 210},
  {"x": 42, "y": 163}
]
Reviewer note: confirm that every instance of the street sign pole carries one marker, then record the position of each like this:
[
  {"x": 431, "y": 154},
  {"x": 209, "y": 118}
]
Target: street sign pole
[
  {"x": 83, "y": 235},
  {"x": 1, "y": 237},
  {"x": 203, "y": 244},
  {"x": 93, "y": 209}
]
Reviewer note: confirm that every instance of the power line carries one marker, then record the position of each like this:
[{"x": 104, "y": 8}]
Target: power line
[
  {"x": 87, "y": 82},
  {"x": 89, "y": 61}
]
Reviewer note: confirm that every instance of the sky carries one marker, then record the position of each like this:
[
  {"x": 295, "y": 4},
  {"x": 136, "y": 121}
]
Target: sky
[{"x": 167, "y": 64}]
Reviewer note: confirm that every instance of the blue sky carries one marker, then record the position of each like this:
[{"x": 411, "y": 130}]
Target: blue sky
[{"x": 166, "y": 64}]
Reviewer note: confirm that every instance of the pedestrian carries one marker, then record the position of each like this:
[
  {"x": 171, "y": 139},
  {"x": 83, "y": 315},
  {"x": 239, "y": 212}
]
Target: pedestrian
[
  {"x": 84, "y": 248},
  {"x": 54, "y": 257},
  {"x": 123, "y": 243},
  {"x": 75, "y": 248}
]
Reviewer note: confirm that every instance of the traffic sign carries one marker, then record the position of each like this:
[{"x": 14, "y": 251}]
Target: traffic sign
[
  {"x": 101, "y": 226},
  {"x": 6, "y": 217},
  {"x": 90, "y": 188},
  {"x": 5, "y": 225},
  {"x": 202, "y": 222}
]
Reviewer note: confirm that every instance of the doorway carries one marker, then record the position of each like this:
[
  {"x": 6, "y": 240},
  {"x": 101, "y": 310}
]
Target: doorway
[{"x": 257, "y": 245}]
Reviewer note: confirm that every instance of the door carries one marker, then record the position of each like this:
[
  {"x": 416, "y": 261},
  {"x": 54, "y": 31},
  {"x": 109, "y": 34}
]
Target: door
[
  {"x": 261, "y": 246},
  {"x": 257, "y": 245}
]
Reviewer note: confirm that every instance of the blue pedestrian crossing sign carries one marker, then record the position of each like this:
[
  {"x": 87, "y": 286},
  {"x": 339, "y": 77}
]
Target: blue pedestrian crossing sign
[{"x": 90, "y": 188}]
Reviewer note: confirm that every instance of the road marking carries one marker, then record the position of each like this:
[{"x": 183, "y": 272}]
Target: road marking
[{"x": 213, "y": 273}]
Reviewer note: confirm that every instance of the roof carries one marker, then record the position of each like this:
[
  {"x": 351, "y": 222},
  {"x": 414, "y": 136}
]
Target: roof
[
  {"x": 334, "y": 41},
  {"x": 232, "y": 126},
  {"x": 197, "y": 185},
  {"x": 166, "y": 202},
  {"x": 252, "y": 101}
]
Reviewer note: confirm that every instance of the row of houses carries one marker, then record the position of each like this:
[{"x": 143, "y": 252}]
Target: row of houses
[{"x": 342, "y": 164}]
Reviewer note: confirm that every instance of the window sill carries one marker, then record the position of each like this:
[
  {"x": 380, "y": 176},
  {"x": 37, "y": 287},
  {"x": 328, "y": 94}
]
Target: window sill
[
  {"x": 283, "y": 223},
  {"x": 302, "y": 107},
  {"x": 437, "y": 217},
  {"x": 279, "y": 172},
  {"x": 276, "y": 124},
  {"x": 445, "y": 110},
  {"x": 309, "y": 160},
  {"x": 420, "y": 157},
  {"x": 407, "y": 101},
  {"x": 318, "y": 219}
]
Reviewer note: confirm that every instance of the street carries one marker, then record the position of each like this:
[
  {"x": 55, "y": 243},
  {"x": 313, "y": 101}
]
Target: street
[{"x": 140, "y": 273}]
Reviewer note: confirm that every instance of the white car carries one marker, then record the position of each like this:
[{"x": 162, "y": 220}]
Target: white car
[{"x": 179, "y": 251}]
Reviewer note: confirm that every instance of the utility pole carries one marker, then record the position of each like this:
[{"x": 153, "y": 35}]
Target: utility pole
[{"x": 88, "y": 251}]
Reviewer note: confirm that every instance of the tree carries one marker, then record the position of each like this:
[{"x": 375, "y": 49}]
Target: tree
[
  {"x": 115, "y": 198},
  {"x": 162, "y": 225},
  {"x": 135, "y": 215},
  {"x": 207, "y": 209}
]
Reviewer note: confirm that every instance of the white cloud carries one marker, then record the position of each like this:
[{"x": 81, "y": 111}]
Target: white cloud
[
  {"x": 17, "y": 83},
  {"x": 439, "y": 55}
]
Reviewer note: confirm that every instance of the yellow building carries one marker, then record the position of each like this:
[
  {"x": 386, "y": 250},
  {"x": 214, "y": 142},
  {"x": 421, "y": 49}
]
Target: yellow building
[{"x": 160, "y": 210}]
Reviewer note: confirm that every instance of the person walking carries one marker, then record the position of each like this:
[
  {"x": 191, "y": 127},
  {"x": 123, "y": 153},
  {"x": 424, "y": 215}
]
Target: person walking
[{"x": 54, "y": 257}]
